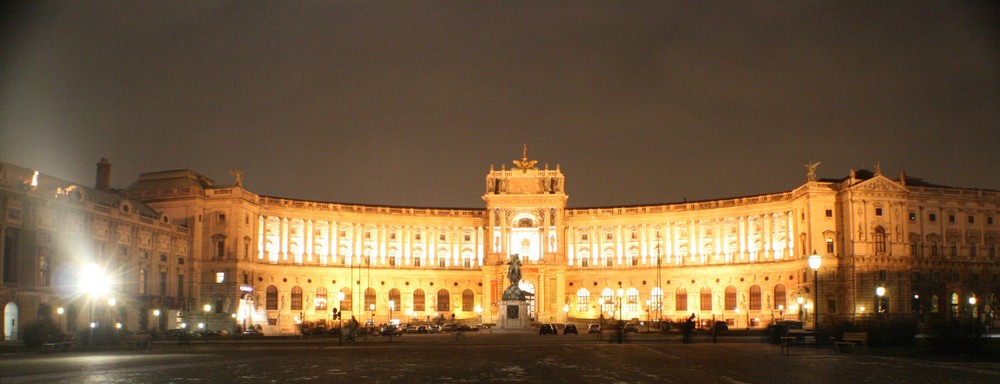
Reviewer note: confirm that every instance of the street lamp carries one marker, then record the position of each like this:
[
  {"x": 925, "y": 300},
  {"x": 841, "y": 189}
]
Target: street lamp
[
  {"x": 566, "y": 312},
  {"x": 204, "y": 332},
  {"x": 621, "y": 321},
  {"x": 372, "y": 308},
  {"x": 814, "y": 262},
  {"x": 800, "y": 301},
  {"x": 340, "y": 319},
  {"x": 95, "y": 283},
  {"x": 392, "y": 305},
  {"x": 972, "y": 304},
  {"x": 879, "y": 292},
  {"x": 156, "y": 315}
]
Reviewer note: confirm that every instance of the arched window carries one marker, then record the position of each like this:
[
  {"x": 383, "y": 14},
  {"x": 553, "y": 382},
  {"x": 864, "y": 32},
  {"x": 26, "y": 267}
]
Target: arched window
[
  {"x": 880, "y": 245},
  {"x": 706, "y": 299},
  {"x": 935, "y": 304},
  {"x": 682, "y": 299},
  {"x": 320, "y": 299},
  {"x": 731, "y": 298},
  {"x": 394, "y": 296},
  {"x": 418, "y": 300},
  {"x": 755, "y": 298},
  {"x": 632, "y": 300},
  {"x": 444, "y": 301},
  {"x": 271, "y": 302},
  {"x": 779, "y": 296},
  {"x": 296, "y": 298},
  {"x": 369, "y": 299},
  {"x": 656, "y": 300},
  {"x": 346, "y": 303},
  {"x": 468, "y": 300},
  {"x": 582, "y": 300},
  {"x": 609, "y": 300}
]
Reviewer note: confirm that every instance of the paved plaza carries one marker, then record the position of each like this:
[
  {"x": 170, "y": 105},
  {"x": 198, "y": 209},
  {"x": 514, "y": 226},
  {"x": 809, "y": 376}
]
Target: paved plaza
[{"x": 482, "y": 357}]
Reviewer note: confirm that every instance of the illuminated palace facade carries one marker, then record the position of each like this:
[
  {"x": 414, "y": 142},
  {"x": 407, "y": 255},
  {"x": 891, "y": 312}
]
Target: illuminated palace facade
[{"x": 280, "y": 262}]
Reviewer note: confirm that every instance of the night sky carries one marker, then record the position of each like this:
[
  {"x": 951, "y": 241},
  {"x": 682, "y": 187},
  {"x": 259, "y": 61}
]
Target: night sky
[{"x": 408, "y": 103}]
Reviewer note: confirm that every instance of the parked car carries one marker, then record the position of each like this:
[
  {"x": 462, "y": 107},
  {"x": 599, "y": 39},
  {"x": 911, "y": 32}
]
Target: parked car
[
  {"x": 547, "y": 329},
  {"x": 253, "y": 332},
  {"x": 594, "y": 328},
  {"x": 465, "y": 328},
  {"x": 434, "y": 328},
  {"x": 423, "y": 329},
  {"x": 392, "y": 330},
  {"x": 450, "y": 327},
  {"x": 570, "y": 328},
  {"x": 721, "y": 326},
  {"x": 178, "y": 333},
  {"x": 631, "y": 327},
  {"x": 411, "y": 328}
]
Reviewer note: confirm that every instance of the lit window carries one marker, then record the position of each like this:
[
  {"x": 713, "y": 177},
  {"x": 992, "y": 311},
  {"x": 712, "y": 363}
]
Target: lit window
[
  {"x": 220, "y": 277},
  {"x": 582, "y": 300}
]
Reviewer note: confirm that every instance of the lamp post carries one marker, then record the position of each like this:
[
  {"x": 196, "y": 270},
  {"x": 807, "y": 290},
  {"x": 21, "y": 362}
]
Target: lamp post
[
  {"x": 340, "y": 319},
  {"x": 96, "y": 284},
  {"x": 814, "y": 262},
  {"x": 156, "y": 317},
  {"x": 972, "y": 305},
  {"x": 392, "y": 331},
  {"x": 621, "y": 321},
  {"x": 112, "y": 316},
  {"x": 204, "y": 331},
  {"x": 800, "y": 302},
  {"x": 372, "y": 308},
  {"x": 879, "y": 293}
]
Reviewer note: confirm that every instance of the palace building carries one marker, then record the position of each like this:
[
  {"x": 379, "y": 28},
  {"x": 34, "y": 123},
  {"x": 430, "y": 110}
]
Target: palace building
[{"x": 180, "y": 248}]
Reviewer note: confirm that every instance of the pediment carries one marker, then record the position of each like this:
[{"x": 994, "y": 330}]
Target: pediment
[{"x": 880, "y": 183}]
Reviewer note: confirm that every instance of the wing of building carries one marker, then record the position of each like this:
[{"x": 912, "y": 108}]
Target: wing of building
[{"x": 192, "y": 250}]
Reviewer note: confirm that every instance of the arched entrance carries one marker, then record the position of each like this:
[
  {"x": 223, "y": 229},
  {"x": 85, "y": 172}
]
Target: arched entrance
[
  {"x": 529, "y": 295},
  {"x": 10, "y": 325}
]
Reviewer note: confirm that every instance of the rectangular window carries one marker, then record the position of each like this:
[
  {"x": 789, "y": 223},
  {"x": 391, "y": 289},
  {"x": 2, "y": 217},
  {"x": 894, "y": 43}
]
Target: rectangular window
[
  {"x": 989, "y": 220},
  {"x": 392, "y": 261},
  {"x": 972, "y": 219},
  {"x": 585, "y": 262},
  {"x": 609, "y": 236},
  {"x": 468, "y": 238},
  {"x": 584, "y": 237},
  {"x": 418, "y": 261},
  {"x": 417, "y": 237},
  {"x": 878, "y": 211},
  {"x": 951, "y": 219},
  {"x": 163, "y": 257},
  {"x": 220, "y": 277},
  {"x": 442, "y": 238},
  {"x": 368, "y": 235},
  {"x": 829, "y": 213},
  {"x": 144, "y": 254},
  {"x": 441, "y": 262},
  {"x": 342, "y": 233},
  {"x": 829, "y": 246},
  {"x": 882, "y": 274},
  {"x": 635, "y": 235},
  {"x": 932, "y": 217},
  {"x": 972, "y": 249},
  {"x": 934, "y": 250},
  {"x": 392, "y": 236},
  {"x": 467, "y": 262},
  {"x": 180, "y": 286},
  {"x": 222, "y": 218},
  {"x": 913, "y": 216},
  {"x": 11, "y": 255},
  {"x": 954, "y": 249},
  {"x": 913, "y": 249},
  {"x": 142, "y": 282},
  {"x": 180, "y": 261},
  {"x": 163, "y": 283}
]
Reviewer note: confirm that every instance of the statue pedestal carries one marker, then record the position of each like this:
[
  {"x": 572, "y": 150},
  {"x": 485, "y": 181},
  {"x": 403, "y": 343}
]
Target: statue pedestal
[{"x": 514, "y": 315}]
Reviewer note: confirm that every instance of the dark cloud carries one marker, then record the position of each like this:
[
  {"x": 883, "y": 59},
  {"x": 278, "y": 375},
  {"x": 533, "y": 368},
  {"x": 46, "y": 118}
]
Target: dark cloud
[{"x": 407, "y": 103}]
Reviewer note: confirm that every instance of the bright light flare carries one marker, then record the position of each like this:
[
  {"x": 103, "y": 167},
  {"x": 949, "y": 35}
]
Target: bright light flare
[{"x": 94, "y": 281}]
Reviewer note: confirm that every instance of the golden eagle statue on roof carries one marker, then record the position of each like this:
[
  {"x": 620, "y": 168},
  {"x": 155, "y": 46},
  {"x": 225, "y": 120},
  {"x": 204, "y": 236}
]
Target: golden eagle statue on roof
[{"x": 524, "y": 164}]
